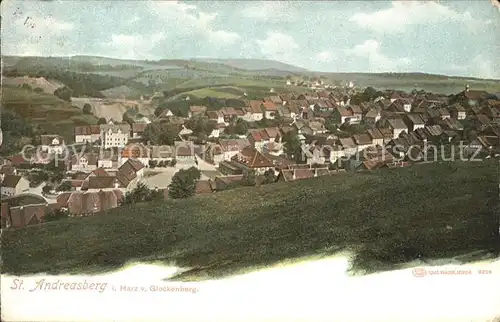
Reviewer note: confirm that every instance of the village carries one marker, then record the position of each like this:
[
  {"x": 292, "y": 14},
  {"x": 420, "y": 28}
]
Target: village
[{"x": 282, "y": 137}]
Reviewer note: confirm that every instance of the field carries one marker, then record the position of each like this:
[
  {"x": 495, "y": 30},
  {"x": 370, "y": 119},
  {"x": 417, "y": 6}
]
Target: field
[
  {"x": 387, "y": 218},
  {"x": 51, "y": 113},
  {"x": 166, "y": 75},
  {"x": 112, "y": 108}
]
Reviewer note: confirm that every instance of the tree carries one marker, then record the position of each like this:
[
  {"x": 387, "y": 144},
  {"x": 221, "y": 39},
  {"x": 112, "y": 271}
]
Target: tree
[
  {"x": 64, "y": 93},
  {"x": 183, "y": 183},
  {"x": 101, "y": 120},
  {"x": 56, "y": 214},
  {"x": 241, "y": 126},
  {"x": 269, "y": 176},
  {"x": 65, "y": 186},
  {"x": 201, "y": 126},
  {"x": 26, "y": 87},
  {"x": 87, "y": 109},
  {"x": 292, "y": 146},
  {"x": 161, "y": 133},
  {"x": 173, "y": 162},
  {"x": 47, "y": 189},
  {"x": 141, "y": 193},
  {"x": 249, "y": 178},
  {"x": 127, "y": 118}
]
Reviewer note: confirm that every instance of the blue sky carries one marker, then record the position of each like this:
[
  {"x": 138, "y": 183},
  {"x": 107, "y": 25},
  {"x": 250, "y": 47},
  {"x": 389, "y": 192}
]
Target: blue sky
[{"x": 454, "y": 38}]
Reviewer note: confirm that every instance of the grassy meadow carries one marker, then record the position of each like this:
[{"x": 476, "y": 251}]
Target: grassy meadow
[{"x": 386, "y": 218}]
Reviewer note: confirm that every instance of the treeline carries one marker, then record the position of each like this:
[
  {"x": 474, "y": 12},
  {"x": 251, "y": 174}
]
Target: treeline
[
  {"x": 181, "y": 107},
  {"x": 16, "y": 133},
  {"x": 81, "y": 84}
]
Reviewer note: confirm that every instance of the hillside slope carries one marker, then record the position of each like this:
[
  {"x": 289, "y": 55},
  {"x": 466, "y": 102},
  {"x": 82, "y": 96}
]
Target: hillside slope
[{"x": 387, "y": 217}]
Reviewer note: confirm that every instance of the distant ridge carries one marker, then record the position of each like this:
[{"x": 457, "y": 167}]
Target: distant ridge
[{"x": 255, "y": 64}]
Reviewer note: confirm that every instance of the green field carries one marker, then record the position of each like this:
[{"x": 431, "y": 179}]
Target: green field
[
  {"x": 51, "y": 113},
  {"x": 387, "y": 218}
]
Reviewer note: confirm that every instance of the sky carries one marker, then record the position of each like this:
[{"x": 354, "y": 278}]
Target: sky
[{"x": 460, "y": 38}]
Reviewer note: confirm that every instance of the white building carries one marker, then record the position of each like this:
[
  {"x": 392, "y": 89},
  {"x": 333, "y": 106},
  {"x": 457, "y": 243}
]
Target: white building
[
  {"x": 13, "y": 185},
  {"x": 115, "y": 135},
  {"x": 52, "y": 144}
]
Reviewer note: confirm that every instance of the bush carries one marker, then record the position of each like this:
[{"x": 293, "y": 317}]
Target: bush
[
  {"x": 173, "y": 162},
  {"x": 38, "y": 90},
  {"x": 56, "y": 214},
  {"x": 87, "y": 109}
]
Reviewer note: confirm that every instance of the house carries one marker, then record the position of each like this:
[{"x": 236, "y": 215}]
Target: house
[
  {"x": 413, "y": 122},
  {"x": 375, "y": 157},
  {"x": 387, "y": 133},
  {"x": 114, "y": 135},
  {"x": 85, "y": 162},
  {"x": 316, "y": 127},
  {"x": 216, "y": 116},
  {"x": 470, "y": 97},
  {"x": 493, "y": 113},
  {"x": 451, "y": 124},
  {"x": 362, "y": 141},
  {"x": 138, "y": 130},
  {"x": 376, "y": 136},
  {"x": 270, "y": 110},
  {"x": 161, "y": 153},
  {"x": 254, "y": 108},
  {"x": 258, "y": 138},
  {"x": 136, "y": 151},
  {"x": 251, "y": 159},
  {"x": 184, "y": 151},
  {"x": 87, "y": 133},
  {"x": 228, "y": 182},
  {"x": 231, "y": 147},
  {"x": 317, "y": 154},
  {"x": 166, "y": 113},
  {"x": 372, "y": 116},
  {"x": 13, "y": 185},
  {"x": 287, "y": 175},
  {"x": 273, "y": 148},
  {"x": 357, "y": 114},
  {"x": 458, "y": 111},
  {"x": 229, "y": 168},
  {"x": 443, "y": 113},
  {"x": 52, "y": 144},
  {"x": 217, "y": 130},
  {"x": 196, "y": 110},
  {"x": 348, "y": 145},
  {"x": 129, "y": 172},
  {"x": 342, "y": 115},
  {"x": 28, "y": 215},
  {"x": 397, "y": 126},
  {"x": 88, "y": 203},
  {"x": 107, "y": 159},
  {"x": 230, "y": 112},
  {"x": 7, "y": 169}
]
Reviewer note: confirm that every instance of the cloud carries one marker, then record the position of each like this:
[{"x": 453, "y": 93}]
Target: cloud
[
  {"x": 133, "y": 46},
  {"x": 485, "y": 67},
  {"x": 28, "y": 32},
  {"x": 325, "y": 57},
  {"x": 407, "y": 13},
  {"x": 276, "y": 11},
  {"x": 187, "y": 19},
  {"x": 278, "y": 46},
  {"x": 378, "y": 62}
]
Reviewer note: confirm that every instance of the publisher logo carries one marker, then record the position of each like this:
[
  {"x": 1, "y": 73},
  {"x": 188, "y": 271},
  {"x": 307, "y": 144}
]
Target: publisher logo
[{"x": 419, "y": 272}]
